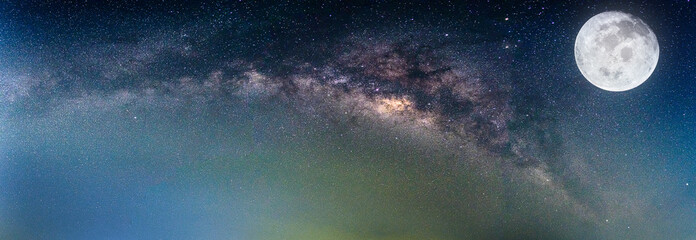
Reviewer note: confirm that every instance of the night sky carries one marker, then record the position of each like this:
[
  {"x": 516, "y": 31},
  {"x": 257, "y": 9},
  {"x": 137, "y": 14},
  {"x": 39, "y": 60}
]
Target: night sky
[{"x": 338, "y": 120}]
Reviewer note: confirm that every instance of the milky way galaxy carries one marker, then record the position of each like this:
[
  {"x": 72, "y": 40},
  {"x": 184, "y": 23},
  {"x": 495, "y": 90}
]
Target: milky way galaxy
[{"x": 329, "y": 121}]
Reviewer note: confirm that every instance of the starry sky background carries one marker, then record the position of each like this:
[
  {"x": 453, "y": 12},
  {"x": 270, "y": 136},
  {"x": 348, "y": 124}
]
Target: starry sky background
[{"x": 334, "y": 120}]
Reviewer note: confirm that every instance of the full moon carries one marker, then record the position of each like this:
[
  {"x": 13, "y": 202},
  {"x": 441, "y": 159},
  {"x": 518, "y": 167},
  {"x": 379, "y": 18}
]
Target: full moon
[{"x": 616, "y": 51}]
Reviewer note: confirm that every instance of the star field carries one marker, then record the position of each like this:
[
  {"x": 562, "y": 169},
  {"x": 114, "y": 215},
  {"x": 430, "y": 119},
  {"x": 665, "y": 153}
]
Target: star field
[{"x": 334, "y": 120}]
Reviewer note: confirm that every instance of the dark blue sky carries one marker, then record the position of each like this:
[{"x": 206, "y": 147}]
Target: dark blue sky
[{"x": 361, "y": 120}]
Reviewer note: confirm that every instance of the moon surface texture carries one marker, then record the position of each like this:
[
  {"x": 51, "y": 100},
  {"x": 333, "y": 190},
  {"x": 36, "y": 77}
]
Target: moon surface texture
[{"x": 616, "y": 51}]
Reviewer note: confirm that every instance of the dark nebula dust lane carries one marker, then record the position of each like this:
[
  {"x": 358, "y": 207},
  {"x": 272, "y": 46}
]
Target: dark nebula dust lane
[{"x": 288, "y": 120}]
